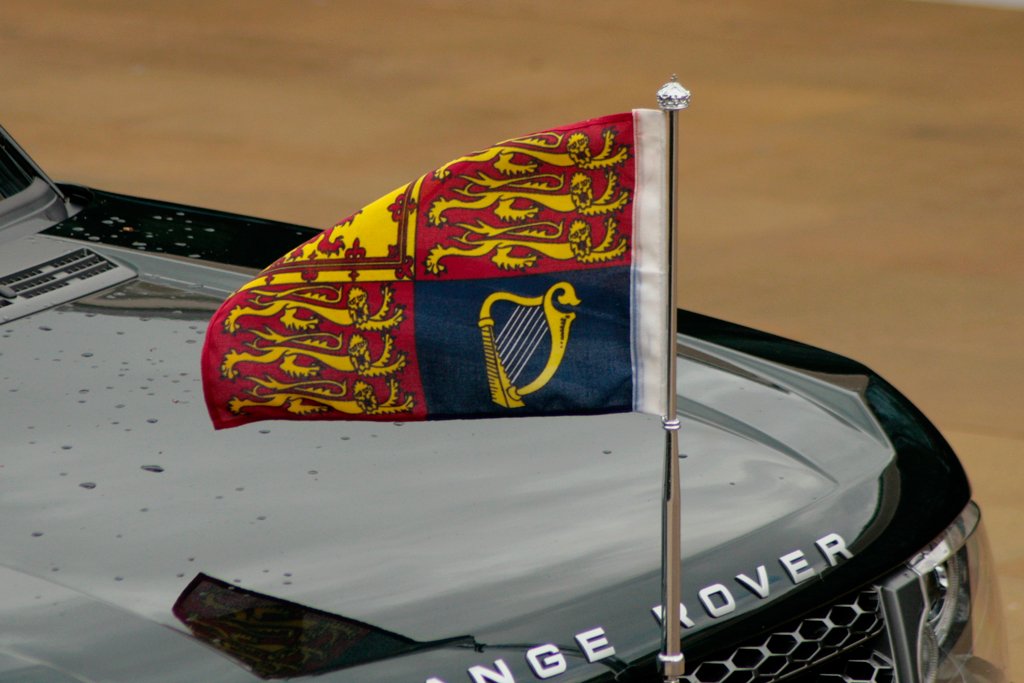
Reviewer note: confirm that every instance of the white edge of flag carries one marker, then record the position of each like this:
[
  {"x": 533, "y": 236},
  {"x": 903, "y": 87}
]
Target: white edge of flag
[{"x": 649, "y": 295}]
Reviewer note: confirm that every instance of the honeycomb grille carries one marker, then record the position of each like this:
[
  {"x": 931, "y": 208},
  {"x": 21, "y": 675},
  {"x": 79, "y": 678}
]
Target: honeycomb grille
[
  {"x": 802, "y": 644},
  {"x": 863, "y": 666}
]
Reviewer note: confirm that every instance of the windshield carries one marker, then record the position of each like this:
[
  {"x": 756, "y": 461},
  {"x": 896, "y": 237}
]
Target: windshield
[{"x": 29, "y": 201}]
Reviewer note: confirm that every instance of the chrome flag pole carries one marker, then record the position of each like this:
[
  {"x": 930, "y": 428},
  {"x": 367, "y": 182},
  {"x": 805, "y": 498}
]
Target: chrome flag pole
[{"x": 672, "y": 97}]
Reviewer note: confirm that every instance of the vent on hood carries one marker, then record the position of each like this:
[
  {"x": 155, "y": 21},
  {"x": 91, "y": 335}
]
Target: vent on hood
[{"x": 59, "y": 274}]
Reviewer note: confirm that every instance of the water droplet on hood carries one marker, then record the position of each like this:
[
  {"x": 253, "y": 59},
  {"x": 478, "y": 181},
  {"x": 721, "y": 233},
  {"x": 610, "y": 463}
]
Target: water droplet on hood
[
  {"x": 87, "y": 485},
  {"x": 153, "y": 468}
]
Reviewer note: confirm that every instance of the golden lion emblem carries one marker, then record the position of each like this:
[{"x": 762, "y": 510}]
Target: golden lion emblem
[
  {"x": 313, "y": 397},
  {"x": 484, "y": 192},
  {"x": 577, "y": 153},
  {"x": 539, "y": 239},
  {"x": 319, "y": 303},
  {"x": 320, "y": 350}
]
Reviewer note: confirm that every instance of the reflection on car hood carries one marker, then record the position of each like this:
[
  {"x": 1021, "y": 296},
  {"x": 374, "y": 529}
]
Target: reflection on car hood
[{"x": 527, "y": 531}]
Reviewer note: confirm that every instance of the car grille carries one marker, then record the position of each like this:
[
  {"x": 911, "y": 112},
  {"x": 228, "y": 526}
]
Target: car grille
[
  {"x": 816, "y": 639},
  {"x": 865, "y": 665}
]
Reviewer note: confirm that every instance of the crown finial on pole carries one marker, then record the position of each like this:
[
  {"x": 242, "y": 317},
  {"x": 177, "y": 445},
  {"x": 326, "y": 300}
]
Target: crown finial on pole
[{"x": 672, "y": 96}]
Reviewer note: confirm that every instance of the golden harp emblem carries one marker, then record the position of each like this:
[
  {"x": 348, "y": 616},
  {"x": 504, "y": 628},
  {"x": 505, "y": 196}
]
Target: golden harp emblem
[{"x": 508, "y": 351}]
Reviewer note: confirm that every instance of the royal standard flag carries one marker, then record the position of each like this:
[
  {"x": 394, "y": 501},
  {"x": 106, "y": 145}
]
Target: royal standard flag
[{"x": 525, "y": 279}]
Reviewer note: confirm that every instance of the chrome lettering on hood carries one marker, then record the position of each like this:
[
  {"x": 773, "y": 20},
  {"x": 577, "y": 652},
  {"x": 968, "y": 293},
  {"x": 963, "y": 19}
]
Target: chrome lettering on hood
[
  {"x": 718, "y": 600},
  {"x": 547, "y": 660}
]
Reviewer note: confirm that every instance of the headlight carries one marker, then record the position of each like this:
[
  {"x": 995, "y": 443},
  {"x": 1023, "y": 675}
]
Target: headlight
[
  {"x": 929, "y": 607},
  {"x": 942, "y": 568}
]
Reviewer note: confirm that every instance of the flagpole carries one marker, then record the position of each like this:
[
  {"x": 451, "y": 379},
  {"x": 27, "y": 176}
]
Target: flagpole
[{"x": 672, "y": 97}]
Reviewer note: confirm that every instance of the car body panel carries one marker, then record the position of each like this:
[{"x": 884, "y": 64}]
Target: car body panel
[{"x": 511, "y": 533}]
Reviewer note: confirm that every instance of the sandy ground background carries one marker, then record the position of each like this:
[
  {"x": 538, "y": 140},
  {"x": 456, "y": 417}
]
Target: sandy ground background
[{"x": 853, "y": 173}]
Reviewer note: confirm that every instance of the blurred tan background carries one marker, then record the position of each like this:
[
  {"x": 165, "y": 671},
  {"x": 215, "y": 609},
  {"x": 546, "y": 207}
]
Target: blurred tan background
[{"x": 853, "y": 173}]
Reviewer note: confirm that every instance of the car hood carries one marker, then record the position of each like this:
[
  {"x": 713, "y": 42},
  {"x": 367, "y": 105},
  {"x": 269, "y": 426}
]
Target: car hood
[{"x": 499, "y": 534}]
